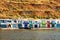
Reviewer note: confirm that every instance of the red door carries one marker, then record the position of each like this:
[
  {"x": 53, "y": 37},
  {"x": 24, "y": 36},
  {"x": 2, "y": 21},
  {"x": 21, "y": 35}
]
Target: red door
[{"x": 48, "y": 24}]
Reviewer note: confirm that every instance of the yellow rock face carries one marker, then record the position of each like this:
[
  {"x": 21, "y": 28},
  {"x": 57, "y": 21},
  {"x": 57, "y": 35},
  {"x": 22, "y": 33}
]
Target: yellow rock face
[{"x": 37, "y": 9}]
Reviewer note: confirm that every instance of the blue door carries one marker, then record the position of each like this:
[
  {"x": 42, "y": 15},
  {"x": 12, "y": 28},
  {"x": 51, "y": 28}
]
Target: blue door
[
  {"x": 57, "y": 24},
  {"x": 3, "y": 25},
  {"x": 14, "y": 25},
  {"x": 19, "y": 26},
  {"x": 53, "y": 23},
  {"x": 25, "y": 24}
]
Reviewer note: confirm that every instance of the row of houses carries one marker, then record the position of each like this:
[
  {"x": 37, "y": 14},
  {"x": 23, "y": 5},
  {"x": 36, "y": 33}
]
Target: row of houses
[{"x": 28, "y": 24}]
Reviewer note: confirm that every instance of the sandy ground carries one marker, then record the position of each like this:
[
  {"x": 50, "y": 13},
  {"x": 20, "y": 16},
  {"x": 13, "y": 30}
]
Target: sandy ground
[{"x": 24, "y": 34}]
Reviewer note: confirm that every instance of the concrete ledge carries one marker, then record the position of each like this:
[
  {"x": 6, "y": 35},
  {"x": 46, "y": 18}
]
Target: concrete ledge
[{"x": 33, "y": 29}]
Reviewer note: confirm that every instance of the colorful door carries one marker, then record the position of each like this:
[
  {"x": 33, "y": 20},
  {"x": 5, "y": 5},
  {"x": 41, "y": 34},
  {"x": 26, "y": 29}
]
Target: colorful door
[
  {"x": 30, "y": 24},
  {"x": 36, "y": 24},
  {"x": 14, "y": 25},
  {"x": 43, "y": 24},
  {"x": 19, "y": 25},
  {"x": 48, "y": 24},
  {"x": 57, "y": 24},
  {"x": 53, "y": 23},
  {"x": 3, "y": 25},
  {"x": 25, "y": 24}
]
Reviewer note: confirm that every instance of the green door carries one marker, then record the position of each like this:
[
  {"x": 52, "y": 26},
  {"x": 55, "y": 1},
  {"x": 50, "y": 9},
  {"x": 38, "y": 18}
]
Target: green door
[
  {"x": 30, "y": 24},
  {"x": 43, "y": 24}
]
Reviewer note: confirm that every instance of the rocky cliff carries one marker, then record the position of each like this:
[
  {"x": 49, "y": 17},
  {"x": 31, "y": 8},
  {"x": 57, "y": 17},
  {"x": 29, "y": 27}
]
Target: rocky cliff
[{"x": 40, "y": 9}]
